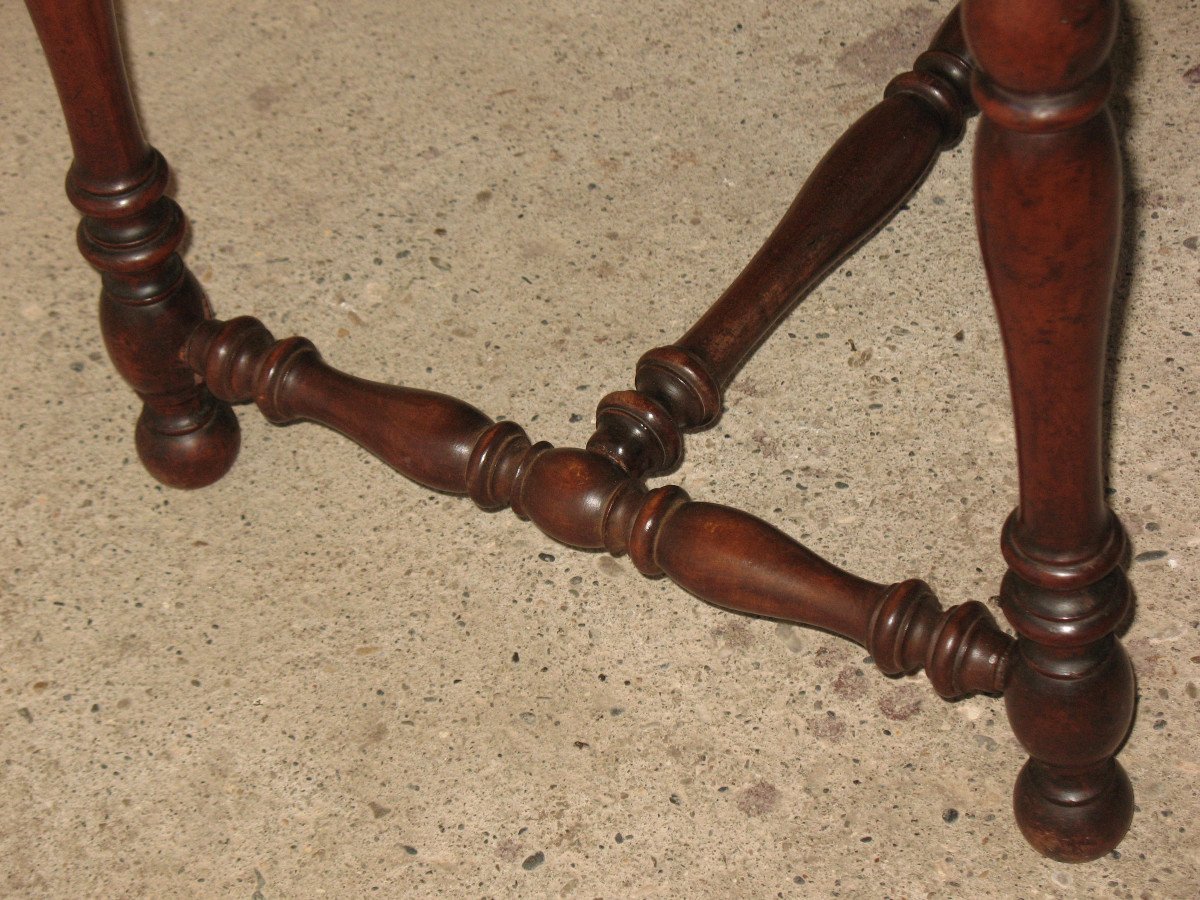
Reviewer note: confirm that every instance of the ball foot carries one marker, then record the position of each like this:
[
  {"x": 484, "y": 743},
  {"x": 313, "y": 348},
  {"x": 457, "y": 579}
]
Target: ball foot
[
  {"x": 1073, "y": 816},
  {"x": 190, "y": 450}
]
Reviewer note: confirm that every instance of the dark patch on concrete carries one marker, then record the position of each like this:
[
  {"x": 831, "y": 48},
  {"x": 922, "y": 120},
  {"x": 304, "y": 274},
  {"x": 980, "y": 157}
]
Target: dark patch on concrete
[
  {"x": 1145, "y": 657},
  {"x": 825, "y": 658},
  {"x": 373, "y": 736},
  {"x": 758, "y": 799},
  {"x": 265, "y": 97},
  {"x": 901, "y": 704},
  {"x": 734, "y": 634},
  {"x": 745, "y": 386},
  {"x": 767, "y": 445},
  {"x": 890, "y": 50},
  {"x": 828, "y": 727},
  {"x": 1155, "y": 197},
  {"x": 850, "y": 683}
]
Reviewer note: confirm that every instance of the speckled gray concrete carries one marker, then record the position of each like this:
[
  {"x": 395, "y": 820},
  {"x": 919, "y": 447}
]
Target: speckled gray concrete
[{"x": 315, "y": 678}]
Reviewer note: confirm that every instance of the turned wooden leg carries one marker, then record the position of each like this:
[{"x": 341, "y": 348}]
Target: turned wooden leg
[
  {"x": 130, "y": 232},
  {"x": 585, "y": 499},
  {"x": 859, "y": 184},
  {"x": 1048, "y": 200}
]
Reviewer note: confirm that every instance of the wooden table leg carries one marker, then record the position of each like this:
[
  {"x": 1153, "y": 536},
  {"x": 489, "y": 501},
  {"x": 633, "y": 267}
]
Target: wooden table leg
[
  {"x": 860, "y": 183},
  {"x": 1048, "y": 201},
  {"x": 130, "y": 232},
  {"x": 1048, "y": 204}
]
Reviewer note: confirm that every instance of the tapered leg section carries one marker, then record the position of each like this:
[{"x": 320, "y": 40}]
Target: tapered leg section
[
  {"x": 1047, "y": 190},
  {"x": 859, "y": 184},
  {"x": 130, "y": 232}
]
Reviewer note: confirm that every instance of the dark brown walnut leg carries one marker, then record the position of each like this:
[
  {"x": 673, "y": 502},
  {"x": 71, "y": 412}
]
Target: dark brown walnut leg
[
  {"x": 722, "y": 555},
  {"x": 854, "y": 190},
  {"x": 1064, "y": 594},
  {"x": 130, "y": 232},
  {"x": 1048, "y": 197}
]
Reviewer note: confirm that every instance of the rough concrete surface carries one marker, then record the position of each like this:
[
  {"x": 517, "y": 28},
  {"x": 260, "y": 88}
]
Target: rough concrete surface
[{"x": 317, "y": 679}]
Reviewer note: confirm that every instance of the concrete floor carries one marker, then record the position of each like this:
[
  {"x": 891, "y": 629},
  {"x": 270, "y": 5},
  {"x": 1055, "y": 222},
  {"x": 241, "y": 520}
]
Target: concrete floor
[{"x": 316, "y": 678}]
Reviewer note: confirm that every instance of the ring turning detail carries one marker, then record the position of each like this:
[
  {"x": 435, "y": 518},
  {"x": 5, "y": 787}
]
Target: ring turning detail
[{"x": 1047, "y": 196}]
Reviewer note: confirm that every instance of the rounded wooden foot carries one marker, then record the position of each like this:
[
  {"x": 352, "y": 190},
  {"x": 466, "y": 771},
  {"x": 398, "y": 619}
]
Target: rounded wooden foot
[
  {"x": 1073, "y": 817},
  {"x": 192, "y": 450}
]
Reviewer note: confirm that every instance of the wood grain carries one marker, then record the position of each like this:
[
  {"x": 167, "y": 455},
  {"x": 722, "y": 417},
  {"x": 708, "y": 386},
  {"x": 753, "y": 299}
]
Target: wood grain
[
  {"x": 1048, "y": 203},
  {"x": 1047, "y": 186}
]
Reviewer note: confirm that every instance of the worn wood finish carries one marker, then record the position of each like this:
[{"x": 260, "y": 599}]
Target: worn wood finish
[
  {"x": 853, "y": 191},
  {"x": 149, "y": 301},
  {"x": 1047, "y": 190},
  {"x": 1048, "y": 200}
]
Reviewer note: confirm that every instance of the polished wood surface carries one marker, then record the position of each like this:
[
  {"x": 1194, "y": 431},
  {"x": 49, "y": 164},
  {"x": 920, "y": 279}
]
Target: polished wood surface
[
  {"x": 1048, "y": 202},
  {"x": 854, "y": 190},
  {"x": 130, "y": 232},
  {"x": 580, "y": 498},
  {"x": 1047, "y": 197}
]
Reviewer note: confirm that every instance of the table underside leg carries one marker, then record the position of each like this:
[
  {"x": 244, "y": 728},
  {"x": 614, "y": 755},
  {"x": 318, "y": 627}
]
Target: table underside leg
[
  {"x": 130, "y": 232},
  {"x": 1048, "y": 204},
  {"x": 853, "y": 191},
  {"x": 1047, "y": 198}
]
